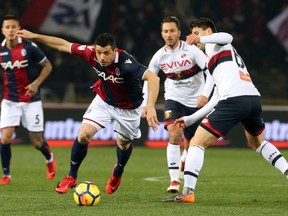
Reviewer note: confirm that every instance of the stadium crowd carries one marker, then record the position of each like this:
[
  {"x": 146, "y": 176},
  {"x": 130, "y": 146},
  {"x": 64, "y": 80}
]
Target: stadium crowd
[{"x": 136, "y": 25}]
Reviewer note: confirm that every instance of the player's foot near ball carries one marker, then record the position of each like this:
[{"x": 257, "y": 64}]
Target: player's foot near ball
[
  {"x": 67, "y": 183},
  {"x": 113, "y": 183}
]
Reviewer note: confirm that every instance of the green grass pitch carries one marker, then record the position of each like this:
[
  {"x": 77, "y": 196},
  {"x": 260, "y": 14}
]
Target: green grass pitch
[{"x": 232, "y": 182}]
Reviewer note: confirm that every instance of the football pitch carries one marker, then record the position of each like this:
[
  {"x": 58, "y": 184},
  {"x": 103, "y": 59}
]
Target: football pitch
[{"x": 232, "y": 182}]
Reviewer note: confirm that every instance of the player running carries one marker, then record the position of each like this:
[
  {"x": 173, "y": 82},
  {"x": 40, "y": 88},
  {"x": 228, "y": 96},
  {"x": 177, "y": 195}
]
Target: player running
[{"x": 119, "y": 96}]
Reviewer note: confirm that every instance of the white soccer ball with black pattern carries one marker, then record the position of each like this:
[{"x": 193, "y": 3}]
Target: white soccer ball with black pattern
[{"x": 87, "y": 194}]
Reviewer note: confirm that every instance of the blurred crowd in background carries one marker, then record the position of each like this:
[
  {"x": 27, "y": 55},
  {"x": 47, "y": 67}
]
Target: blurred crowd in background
[{"x": 136, "y": 25}]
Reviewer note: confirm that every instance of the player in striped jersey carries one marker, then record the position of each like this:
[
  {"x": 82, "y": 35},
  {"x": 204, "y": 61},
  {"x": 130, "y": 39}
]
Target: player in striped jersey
[
  {"x": 119, "y": 96},
  {"x": 185, "y": 89},
  {"x": 236, "y": 100},
  {"x": 20, "y": 61}
]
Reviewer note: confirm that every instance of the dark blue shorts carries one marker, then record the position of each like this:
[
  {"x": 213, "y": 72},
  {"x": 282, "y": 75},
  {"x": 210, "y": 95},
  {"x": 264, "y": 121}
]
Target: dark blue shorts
[
  {"x": 174, "y": 110},
  {"x": 227, "y": 113}
]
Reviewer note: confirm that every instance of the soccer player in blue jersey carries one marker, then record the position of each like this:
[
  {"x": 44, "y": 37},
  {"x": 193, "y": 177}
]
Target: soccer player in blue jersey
[
  {"x": 119, "y": 96},
  {"x": 20, "y": 60}
]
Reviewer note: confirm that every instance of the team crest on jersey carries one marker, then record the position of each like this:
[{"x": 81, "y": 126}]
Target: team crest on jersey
[
  {"x": 117, "y": 71},
  {"x": 183, "y": 55},
  {"x": 23, "y": 52},
  {"x": 168, "y": 114},
  {"x": 179, "y": 75}
]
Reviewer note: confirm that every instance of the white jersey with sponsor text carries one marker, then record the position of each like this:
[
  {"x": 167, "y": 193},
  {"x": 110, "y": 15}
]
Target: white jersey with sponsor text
[
  {"x": 229, "y": 71},
  {"x": 183, "y": 68}
]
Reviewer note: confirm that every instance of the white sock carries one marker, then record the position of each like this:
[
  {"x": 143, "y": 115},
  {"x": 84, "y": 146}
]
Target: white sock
[
  {"x": 184, "y": 155},
  {"x": 272, "y": 155},
  {"x": 173, "y": 160},
  {"x": 193, "y": 166}
]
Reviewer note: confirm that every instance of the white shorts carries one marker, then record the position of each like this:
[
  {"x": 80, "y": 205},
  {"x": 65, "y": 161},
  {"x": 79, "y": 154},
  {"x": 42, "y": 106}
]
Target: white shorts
[
  {"x": 127, "y": 121},
  {"x": 30, "y": 115}
]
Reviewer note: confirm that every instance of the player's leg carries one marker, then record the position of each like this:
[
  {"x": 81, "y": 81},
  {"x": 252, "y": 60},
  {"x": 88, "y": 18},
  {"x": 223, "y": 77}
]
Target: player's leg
[
  {"x": 40, "y": 144},
  {"x": 193, "y": 164},
  {"x": 173, "y": 110},
  {"x": 195, "y": 158},
  {"x": 33, "y": 120},
  {"x": 269, "y": 152},
  {"x": 188, "y": 134},
  {"x": 6, "y": 154},
  {"x": 207, "y": 133},
  {"x": 127, "y": 129},
  {"x": 173, "y": 157},
  {"x": 95, "y": 118},
  {"x": 123, "y": 150},
  {"x": 254, "y": 131},
  {"x": 10, "y": 118},
  {"x": 78, "y": 154}
]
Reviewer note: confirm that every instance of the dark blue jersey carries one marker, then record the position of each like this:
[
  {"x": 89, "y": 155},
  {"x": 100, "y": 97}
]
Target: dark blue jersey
[
  {"x": 20, "y": 68},
  {"x": 120, "y": 83}
]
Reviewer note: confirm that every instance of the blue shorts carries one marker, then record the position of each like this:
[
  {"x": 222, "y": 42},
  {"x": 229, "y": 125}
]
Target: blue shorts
[
  {"x": 227, "y": 113},
  {"x": 174, "y": 110}
]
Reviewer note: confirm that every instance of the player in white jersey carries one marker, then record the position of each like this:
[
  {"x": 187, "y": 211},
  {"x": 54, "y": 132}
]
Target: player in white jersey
[
  {"x": 237, "y": 101},
  {"x": 185, "y": 89}
]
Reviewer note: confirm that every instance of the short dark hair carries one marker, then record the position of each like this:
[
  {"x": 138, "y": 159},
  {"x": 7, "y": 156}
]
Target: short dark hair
[
  {"x": 106, "y": 39},
  {"x": 203, "y": 23},
  {"x": 171, "y": 19},
  {"x": 9, "y": 17}
]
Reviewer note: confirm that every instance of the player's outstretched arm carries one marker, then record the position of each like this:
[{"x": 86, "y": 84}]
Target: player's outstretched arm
[{"x": 51, "y": 41}]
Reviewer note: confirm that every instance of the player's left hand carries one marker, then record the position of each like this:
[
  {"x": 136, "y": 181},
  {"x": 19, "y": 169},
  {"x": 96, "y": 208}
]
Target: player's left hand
[
  {"x": 192, "y": 39},
  {"x": 31, "y": 90},
  {"x": 180, "y": 123},
  {"x": 151, "y": 118},
  {"x": 144, "y": 112},
  {"x": 202, "y": 101}
]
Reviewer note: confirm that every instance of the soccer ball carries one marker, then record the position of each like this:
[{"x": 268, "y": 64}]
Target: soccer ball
[{"x": 87, "y": 194}]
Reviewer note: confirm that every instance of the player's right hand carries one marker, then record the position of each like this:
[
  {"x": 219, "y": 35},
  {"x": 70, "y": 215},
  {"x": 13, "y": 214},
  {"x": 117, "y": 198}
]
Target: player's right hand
[
  {"x": 180, "y": 123},
  {"x": 23, "y": 33}
]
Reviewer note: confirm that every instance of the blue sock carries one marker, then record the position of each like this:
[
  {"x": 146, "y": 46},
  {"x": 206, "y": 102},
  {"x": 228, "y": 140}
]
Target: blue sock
[
  {"x": 45, "y": 150},
  {"x": 5, "y": 158},
  {"x": 78, "y": 153},
  {"x": 123, "y": 157}
]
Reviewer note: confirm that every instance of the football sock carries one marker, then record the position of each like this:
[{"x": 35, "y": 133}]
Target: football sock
[
  {"x": 184, "y": 155},
  {"x": 187, "y": 190},
  {"x": 270, "y": 153},
  {"x": 78, "y": 153},
  {"x": 193, "y": 166},
  {"x": 5, "y": 158},
  {"x": 173, "y": 160},
  {"x": 123, "y": 157},
  {"x": 45, "y": 150}
]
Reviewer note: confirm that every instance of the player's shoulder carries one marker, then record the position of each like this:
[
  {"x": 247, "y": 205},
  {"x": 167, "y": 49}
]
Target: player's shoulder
[
  {"x": 28, "y": 43},
  {"x": 189, "y": 47},
  {"x": 123, "y": 57},
  {"x": 159, "y": 53}
]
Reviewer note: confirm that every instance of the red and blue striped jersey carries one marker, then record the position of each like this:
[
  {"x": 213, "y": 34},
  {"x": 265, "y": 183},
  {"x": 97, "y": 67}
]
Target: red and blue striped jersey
[
  {"x": 119, "y": 84},
  {"x": 20, "y": 68}
]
